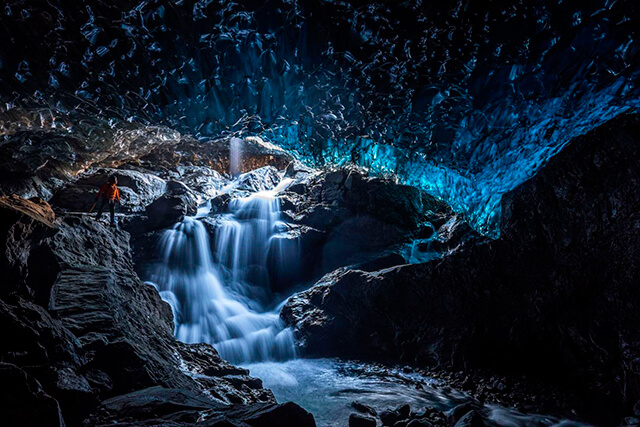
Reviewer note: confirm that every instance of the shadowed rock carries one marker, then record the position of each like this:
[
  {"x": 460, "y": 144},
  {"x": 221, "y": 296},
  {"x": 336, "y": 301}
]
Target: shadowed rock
[
  {"x": 80, "y": 328},
  {"x": 556, "y": 295}
]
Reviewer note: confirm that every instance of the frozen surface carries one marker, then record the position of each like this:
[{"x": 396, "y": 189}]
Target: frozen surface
[{"x": 462, "y": 101}]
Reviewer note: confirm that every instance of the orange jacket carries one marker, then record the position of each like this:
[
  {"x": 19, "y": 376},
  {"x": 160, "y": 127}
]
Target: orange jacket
[{"x": 109, "y": 191}]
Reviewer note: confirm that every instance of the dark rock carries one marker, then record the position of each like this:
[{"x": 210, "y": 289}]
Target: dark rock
[
  {"x": 24, "y": 401},
  {"x": 103, "y": 333},
  {"x": 153, "y": 403},
  {"x": 22, "y": 224},
  {"x": 361, "y": 407},
  {"x": 555, "y": 295},
  {"x": 220, "y": 204},
  {"x": 357, "y": 420},
  {"x": 387, "y": 260},
  {"x": 390, "y": 417},
  {"x": 171, "y": 207},
  {"x": 363, "y": 218},
  {"x": 630, "y": 421},
  {"x": 419, "y": 423},
  {"x": 297, "y": 171},
  {"x": 137, "y": 190},
  {"x": 455, "y": 414},
  {"x": 470, "y": 419},
  {"x": 404, "y": 411}
]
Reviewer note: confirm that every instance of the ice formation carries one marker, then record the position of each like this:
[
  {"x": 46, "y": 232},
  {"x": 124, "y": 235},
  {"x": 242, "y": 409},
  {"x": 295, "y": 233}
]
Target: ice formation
[{"x": 463, "y": 102}]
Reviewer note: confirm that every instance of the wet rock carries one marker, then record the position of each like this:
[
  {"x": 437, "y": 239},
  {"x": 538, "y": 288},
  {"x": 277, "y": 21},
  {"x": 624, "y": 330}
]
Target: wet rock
[
  {"x": 397, "y": 417},
  {"x": 267, "y": 415},
  {"x": 203, "y": 181},
  {"x": 470, "y": 419},
  {"x": 220, "y": 204},
  {"x": 455, "y": 414},
  {"x": 363, "y": 408},
  {"x": 346, "y": 205},
  {"x": 358, "y": 420},
  {"x": 388, "y": 418},
  {"x": 404, "y": 411},
  {"x": 171, "y": 207},
  {"x": 265, "y": 178},
  {"x": 297, "y": 171}
]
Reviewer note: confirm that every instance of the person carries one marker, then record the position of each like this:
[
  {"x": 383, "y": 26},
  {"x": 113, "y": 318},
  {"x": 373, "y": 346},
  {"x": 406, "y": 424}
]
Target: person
[{"x": 108, "y": 193}]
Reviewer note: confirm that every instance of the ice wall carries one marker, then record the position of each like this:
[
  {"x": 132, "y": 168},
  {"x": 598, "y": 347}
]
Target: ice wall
[{"x": 463, "y": 100}]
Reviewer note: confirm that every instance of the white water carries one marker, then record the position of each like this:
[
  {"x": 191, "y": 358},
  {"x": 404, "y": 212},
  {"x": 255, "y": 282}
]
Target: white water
[{"x": 221, "y": 297}]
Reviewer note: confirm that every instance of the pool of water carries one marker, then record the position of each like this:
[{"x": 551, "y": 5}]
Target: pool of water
[{"x": 327, "y": 387}]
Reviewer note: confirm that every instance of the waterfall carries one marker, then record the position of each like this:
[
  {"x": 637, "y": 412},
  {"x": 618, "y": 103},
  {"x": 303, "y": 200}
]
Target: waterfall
[{"x": 222, "y": 297}]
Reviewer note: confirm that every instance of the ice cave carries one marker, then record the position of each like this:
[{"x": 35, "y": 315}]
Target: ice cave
[{"x": 297, "y": 213}]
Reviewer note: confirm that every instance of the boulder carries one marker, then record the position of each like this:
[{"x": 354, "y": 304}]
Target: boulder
[
  {"x": 171, "y": 207},
  {"x": 263, "y": 179},
  {"x": 137, "y": 190},
  {"x": 203, "y": 181},
  {"x": 358, "y": 420},
  {"x": 470, "y": 419},
  {"x": 363, "y": 408},
  {"x": 297, "y": 171}
]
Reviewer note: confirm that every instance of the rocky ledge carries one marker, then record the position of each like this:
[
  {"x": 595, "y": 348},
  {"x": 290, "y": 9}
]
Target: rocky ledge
[
  {"x": 556, "y": 295},
  {"x": 86, "y": 342}
]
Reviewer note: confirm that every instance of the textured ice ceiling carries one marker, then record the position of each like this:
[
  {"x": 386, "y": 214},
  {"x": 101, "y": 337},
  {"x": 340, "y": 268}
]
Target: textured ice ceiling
[{"x": 465, "y": 99}]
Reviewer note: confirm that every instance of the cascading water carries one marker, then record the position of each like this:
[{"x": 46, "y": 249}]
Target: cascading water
[{"x": 221, "y": 298}]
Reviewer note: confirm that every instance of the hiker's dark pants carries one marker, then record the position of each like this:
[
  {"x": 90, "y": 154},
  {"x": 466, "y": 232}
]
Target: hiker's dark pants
[{"x": 112, "y": 208}]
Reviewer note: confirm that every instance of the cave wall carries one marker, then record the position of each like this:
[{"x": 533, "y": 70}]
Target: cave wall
[{"x": 556, "y": 296}]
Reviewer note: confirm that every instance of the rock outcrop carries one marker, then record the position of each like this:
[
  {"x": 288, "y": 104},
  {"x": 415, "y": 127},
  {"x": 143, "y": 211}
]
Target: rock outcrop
[
  {"x": 556, "y": 295},
  {"x": 344, "y": 217},
  {"x": 85, "y": 339},
  {"x": 137, "y": 190}
]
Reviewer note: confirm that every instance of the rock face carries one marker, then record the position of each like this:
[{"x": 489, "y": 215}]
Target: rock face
[
  {"x": 345, "y": 217},
  {"x": 80, "y": 328},
  {"x": 137, "y": 190},
  {"x": 556, "y": 295}
]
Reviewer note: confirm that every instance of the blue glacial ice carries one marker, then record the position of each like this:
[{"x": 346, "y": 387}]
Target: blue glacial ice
[{"x": 462, "y": 101}]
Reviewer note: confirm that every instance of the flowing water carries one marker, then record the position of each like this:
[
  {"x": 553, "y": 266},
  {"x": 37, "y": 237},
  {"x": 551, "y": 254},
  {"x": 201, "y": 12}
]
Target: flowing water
[
  {"x": 326, "y": 388},
  {"x": 222, "y": 295}
]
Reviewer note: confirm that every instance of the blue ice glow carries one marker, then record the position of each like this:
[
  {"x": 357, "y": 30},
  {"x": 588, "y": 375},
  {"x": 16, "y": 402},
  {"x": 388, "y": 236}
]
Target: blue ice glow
[{"x": 462, "y": 101}]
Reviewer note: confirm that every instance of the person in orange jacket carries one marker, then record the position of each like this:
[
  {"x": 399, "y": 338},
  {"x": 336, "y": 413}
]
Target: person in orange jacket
[{"x": 108, "y": 193}]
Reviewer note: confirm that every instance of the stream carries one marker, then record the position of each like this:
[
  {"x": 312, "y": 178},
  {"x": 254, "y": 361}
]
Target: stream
[{"x": 220, "y": 294}]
